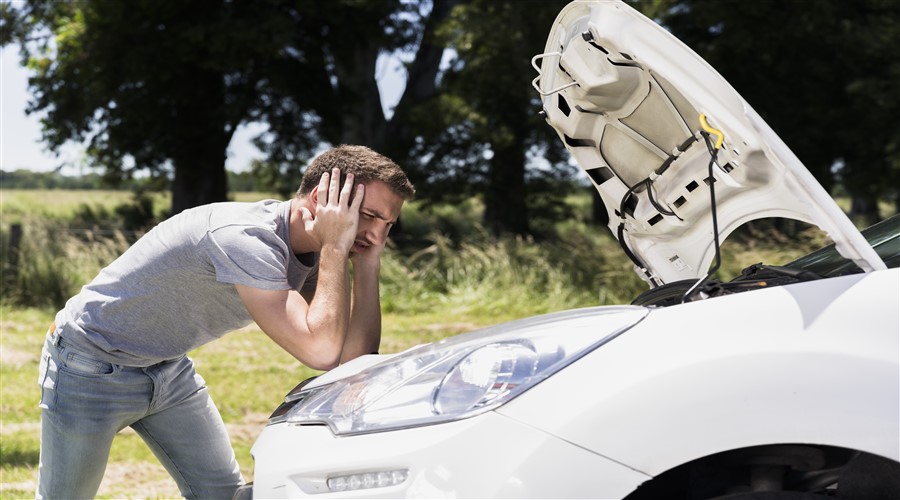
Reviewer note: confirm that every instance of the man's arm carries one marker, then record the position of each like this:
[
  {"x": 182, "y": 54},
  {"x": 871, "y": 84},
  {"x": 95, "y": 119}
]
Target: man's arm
[
  {"x": 314, "y": 332},
  {"x": 364, "y": 333}
]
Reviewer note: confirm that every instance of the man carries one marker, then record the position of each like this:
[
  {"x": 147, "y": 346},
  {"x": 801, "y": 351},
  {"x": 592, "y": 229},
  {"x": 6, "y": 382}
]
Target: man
[{"x": 115, "y": 356}]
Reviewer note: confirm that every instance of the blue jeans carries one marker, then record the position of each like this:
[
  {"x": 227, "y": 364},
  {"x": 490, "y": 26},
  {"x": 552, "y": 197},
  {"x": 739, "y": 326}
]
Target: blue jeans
[{"x": 85, "y": 402}]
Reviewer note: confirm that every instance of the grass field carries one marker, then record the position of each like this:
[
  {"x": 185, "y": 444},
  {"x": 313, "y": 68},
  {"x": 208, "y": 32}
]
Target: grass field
[
  {"x": 19, "y": 204},
  {"x": 446, "y": 287}
]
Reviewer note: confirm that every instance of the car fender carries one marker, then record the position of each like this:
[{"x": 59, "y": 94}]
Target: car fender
[{"x": 812, "y": 363}]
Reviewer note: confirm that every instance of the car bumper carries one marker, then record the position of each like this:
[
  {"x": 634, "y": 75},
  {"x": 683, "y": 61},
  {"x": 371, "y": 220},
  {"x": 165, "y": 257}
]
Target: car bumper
[{"x": 488, "y": 456}]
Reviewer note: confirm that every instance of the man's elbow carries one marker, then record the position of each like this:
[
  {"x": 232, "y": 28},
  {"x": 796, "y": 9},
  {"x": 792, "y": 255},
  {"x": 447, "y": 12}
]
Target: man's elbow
[
  {"x": 322, "y": 363},
  {"x": 326, "y": 357}
]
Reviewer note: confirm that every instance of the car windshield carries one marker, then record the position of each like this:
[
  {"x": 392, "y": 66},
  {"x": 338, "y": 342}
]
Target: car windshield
[{"x": 827, "y": 262}]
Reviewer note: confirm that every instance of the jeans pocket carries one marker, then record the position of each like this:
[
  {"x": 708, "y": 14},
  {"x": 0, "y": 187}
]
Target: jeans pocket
[
  {"x": 47, "y": 376},
  {"x": 83, "y": 365},
  {"x": 42, "y": 367}
]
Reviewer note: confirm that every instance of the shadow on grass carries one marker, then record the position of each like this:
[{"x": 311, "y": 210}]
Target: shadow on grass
[{"x": 19, "y": 458}]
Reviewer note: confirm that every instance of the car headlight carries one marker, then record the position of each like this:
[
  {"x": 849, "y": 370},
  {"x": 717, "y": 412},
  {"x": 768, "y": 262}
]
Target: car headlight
[{"x": 461, "y": 376}]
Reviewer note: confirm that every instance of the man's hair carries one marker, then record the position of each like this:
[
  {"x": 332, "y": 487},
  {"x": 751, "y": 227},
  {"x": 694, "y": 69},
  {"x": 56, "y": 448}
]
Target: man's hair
[{"x": 365, "y": 165}]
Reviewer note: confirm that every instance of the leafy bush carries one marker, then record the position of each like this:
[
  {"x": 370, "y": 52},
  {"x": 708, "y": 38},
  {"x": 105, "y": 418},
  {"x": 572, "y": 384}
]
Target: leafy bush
[{"x": 512, "y": 277}]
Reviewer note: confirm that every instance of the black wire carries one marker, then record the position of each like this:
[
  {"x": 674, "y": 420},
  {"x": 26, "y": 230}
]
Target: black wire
[
  {"x": 713, "y": 154},
  {"x": 659, "y": 171},
  {"x": 620, "y": 231},
  {"x": 648, "y": 185},
  {"x": 655, "y": 203}
]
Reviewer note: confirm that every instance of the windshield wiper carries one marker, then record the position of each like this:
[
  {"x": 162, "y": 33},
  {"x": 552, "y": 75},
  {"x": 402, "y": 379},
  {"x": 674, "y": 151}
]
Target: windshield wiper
[{"x": 752, "y": 272}]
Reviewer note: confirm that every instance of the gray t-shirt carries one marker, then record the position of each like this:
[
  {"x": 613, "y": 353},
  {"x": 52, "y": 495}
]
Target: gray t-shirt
[{"x": 173, "y": 290}]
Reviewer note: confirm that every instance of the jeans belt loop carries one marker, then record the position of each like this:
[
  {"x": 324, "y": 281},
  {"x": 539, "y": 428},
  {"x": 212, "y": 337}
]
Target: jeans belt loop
[{"x": 54, "y": 336}]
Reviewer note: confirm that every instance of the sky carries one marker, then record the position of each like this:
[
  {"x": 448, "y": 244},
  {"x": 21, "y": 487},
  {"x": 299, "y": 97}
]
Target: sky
[{"x": 20, "y": 146}]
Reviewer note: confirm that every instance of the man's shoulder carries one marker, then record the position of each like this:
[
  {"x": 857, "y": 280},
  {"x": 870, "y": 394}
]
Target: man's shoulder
[{"x": 264, "y": 214}]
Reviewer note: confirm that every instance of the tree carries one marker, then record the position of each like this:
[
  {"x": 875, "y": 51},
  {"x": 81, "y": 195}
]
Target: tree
[
  {"x": 163, "y": 84},
  {"x": 485, "y": 129},
  {"x": 156, "y": 85},
  {"x": 823, "y": 75},
  {"x": 464, "y": 132},
  {"x": 325, "y": 90}
]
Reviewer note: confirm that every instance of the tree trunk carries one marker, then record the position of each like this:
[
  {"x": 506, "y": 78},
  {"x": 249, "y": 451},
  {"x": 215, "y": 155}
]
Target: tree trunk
[
  {"x": 362, "y": 118},
  {"x": 202, "y": 183},
  {"x": 864, "y": 208},
  {"x": 199, "y": 153},
  {"x": 421, "y": 84},
  {"x": 505, "y": 209}
]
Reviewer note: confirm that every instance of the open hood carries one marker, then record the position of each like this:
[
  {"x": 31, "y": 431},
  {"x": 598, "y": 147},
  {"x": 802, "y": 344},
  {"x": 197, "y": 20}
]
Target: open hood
[{"x": 644, "y": 115}]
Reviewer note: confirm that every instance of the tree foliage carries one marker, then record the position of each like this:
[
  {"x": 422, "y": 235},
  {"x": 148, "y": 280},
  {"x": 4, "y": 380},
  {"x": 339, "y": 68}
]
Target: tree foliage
[
  {"x": 823, "y": 74},
  {"x": 28, "y": 179},
  {"x": 324, "y": 89},
  {"x": 163, "y": 84},
  {"x": 484, "y": 133},
  {"x": 147, "y": 84}
]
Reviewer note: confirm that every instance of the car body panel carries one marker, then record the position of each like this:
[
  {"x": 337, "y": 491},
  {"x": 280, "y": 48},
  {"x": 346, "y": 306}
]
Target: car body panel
[
  {"x": 488, "y": 456},
  {"x": 815, "y": 362},
  {"x": 628, "y": 100},
  {"x": 791, "y": 364}
]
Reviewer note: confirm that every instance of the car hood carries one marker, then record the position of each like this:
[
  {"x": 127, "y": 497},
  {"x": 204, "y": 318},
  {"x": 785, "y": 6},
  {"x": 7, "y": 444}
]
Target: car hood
[{"x": 642, "y": 114}]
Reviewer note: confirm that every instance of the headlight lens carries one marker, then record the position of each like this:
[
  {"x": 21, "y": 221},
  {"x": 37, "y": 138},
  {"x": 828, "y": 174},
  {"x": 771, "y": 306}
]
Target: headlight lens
[
  {"x": 462, "y": 376},
  {"x": 484, "y": 375}
]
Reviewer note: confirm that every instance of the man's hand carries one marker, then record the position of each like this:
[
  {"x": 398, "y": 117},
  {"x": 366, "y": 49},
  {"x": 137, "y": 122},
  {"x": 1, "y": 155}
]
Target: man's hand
[
  {"x": 336, "y": 221},
  {"x": 370, "y": 257}
]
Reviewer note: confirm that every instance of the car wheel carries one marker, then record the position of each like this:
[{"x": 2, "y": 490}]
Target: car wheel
[{"x": 774, "y": 495}]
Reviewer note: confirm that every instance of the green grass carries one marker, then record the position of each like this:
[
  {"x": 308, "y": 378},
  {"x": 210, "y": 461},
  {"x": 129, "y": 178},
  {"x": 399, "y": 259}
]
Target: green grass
[
  {"x": 21, "y": 332},
  {"x": 16, "y": 204}
]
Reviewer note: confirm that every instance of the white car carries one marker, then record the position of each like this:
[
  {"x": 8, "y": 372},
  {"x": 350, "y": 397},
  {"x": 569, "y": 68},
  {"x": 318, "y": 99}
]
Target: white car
[{"x": 783, "y": 383}]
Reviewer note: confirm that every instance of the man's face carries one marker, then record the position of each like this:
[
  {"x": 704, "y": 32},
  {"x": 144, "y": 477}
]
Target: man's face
[{"x": 378, "y": 213}]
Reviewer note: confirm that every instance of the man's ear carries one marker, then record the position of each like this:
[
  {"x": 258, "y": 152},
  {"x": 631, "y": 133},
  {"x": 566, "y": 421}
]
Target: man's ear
[{"x": 312, "y": 200}]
